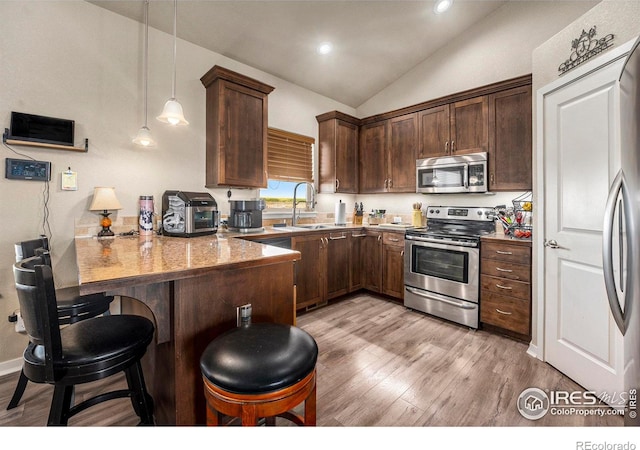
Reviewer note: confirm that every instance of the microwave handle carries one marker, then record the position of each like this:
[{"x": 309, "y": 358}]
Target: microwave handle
[{"x": 466, "y": 176}]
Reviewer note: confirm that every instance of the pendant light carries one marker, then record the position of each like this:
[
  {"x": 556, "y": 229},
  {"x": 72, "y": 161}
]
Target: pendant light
[
  {"x": 144, "y": 138},
  {"x": 172, "y": 112}
]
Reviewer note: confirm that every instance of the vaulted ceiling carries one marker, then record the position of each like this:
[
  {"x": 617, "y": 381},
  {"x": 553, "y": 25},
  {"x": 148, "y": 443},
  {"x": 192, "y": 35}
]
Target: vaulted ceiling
[{"x": 374, "y": 42}]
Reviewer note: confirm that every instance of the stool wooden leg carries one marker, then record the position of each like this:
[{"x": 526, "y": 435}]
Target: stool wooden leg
[
  {"x": 213, "y": 417},
  {"x": 310, "y": 408},
  {"x": 270, "y": 421},
  {"x": 249, "y": 417}
]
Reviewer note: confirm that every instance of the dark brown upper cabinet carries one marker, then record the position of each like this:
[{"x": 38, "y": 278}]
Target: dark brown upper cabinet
[
  {"x": 455, "y": 129},
  {"x": 495, "y": 118},
  {"x": 402, "y": 153},
  {"x": 338, "y": 152},
  {"x": 236, "y": 124},
  {"x": 373, "y": 157},
  {"x": 510, "y": 140}
]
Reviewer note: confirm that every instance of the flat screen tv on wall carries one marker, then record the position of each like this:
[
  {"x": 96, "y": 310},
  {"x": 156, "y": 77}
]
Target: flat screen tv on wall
[{"x": 34, "y": 128}]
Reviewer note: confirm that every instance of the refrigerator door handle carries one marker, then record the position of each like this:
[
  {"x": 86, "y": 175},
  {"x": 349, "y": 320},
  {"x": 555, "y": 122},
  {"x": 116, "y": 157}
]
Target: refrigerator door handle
[{"x": 618, "y": 187}]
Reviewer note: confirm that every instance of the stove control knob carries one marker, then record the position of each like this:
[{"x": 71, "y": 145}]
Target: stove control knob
[
  {"x": 437, "y": 211},
  {"x": 480, "y": 212},
  {"x": 431, "y": 211}
]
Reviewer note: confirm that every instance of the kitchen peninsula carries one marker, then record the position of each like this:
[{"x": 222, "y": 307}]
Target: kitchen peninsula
[{"x": 191, "y": 289}]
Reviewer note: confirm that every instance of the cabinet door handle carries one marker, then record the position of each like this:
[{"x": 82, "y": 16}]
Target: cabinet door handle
[
  {"x": 492, "y": 178},
  {"x": 446, "y": 147},
  {"x": 504, "y": 287},
  {"x": 394, "y": 240},
  {"x": 337, "y": 184},
  {"x": 379, "y": 237},
  {"x": 358, "y": 235},
  {"x": 390, "y": 182},
  {"x": 344, "y": 236},
  {"x": 500, "y": 269},
  {"x": 453, "y": 146},
  {"x": 503, "y": 312},
  {"x": 402, "y": 253},
  {"x": 503, "y": 253}
]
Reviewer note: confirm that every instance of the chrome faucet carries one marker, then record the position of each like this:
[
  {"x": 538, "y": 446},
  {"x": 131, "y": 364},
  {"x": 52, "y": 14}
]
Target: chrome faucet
[{"x": 295, "y": 203}]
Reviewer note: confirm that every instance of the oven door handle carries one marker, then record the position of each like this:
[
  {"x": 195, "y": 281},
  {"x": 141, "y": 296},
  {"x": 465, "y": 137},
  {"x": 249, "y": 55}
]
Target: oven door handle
[
  {"x": 431, "y": 296},
  {"x": 441, "y": 242}
]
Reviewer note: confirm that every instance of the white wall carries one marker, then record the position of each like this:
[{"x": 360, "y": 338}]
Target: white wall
[{"x": 74, "y": 60}]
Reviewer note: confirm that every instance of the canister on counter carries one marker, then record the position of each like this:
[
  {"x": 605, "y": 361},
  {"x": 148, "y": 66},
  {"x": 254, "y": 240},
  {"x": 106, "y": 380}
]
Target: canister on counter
[{"x": 146, "y": 215}]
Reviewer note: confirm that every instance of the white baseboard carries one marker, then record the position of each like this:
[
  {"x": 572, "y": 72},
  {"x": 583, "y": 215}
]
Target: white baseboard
[
  {"x": 533, "y": 351},
  {"x": 11, "y": 366}
]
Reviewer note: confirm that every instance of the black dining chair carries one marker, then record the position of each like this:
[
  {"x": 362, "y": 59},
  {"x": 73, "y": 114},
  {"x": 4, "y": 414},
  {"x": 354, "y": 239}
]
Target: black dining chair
[
  {"x": 82, "y": 352},
  {"x": 72, "y": 307}
]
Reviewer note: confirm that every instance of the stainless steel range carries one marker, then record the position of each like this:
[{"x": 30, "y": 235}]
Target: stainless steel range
[{"x": 442, "y": 263}]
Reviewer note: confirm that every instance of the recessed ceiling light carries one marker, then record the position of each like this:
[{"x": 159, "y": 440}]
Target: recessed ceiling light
[
  {"x": 325, "y": 48},
  {"x": 441, "y": 6}
]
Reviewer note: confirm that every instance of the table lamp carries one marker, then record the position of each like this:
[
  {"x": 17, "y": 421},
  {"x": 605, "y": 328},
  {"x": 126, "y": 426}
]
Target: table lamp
[{"x": 104, "y": 199}]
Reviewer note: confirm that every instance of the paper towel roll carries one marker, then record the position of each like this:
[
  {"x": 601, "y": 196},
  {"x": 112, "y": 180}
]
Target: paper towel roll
[{"x": 341, "y": 213}]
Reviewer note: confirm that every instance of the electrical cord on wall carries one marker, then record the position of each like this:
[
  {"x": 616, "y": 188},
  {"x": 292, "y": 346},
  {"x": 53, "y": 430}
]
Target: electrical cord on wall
[{"x": 46, "y": 227}]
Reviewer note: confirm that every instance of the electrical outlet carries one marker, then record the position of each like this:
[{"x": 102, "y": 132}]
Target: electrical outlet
[{"x": 20, "y": 324}]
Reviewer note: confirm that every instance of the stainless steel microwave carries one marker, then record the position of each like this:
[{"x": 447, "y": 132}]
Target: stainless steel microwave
[{"x": 452, "y": 174}]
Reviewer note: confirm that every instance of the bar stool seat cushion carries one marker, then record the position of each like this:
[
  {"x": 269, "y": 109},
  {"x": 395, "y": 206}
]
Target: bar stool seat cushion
[
  {"x": 261, "y": 357},
  {"x": 94, "y": 348}
]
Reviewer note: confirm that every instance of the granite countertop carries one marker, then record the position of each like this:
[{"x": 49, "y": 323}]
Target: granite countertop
[
  {"x": 104, "y": 262},
  {"x": 502, "y": 238}
]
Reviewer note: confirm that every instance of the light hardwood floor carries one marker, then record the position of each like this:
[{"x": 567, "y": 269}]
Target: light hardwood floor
[{"x": 381, "y": 365}]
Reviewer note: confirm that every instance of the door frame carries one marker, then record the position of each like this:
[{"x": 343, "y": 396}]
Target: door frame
[{"x": 537, "y": 345}]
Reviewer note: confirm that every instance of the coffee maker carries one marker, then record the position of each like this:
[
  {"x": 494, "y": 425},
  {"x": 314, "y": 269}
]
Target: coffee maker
[{"x": 245, "y": 216}]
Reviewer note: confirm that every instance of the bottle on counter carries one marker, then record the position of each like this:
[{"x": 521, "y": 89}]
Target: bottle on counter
[{"x": 145, "y": 223}]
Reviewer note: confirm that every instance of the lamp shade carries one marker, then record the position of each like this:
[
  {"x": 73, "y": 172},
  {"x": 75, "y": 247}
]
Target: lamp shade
[
  {"x": 144, "y": 138},
  {"x": 173, "y": 113},
  {"x": 104, "y": 198}
]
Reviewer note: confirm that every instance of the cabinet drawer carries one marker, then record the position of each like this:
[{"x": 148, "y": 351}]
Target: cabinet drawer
[
  {"x": 496, "y": 268},
  {"x": 505, "y": 312},
  {"x": 503, "y": 286},
  {"x": 393, "y": 239},
  {"x": 518, "y": 254}
]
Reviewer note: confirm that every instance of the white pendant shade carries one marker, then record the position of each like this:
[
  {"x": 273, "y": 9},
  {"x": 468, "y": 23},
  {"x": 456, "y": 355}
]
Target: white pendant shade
[
  {"x": 144, "y": 138},
  {"x": 172, "y": 113}
]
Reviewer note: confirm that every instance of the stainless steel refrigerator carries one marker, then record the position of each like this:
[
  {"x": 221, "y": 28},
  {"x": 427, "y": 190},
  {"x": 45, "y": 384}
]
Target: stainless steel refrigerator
[{"x": 621, "y": 238}]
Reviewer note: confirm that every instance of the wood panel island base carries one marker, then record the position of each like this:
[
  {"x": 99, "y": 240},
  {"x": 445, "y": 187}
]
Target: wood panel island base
[{"x": 191, "y": 289}]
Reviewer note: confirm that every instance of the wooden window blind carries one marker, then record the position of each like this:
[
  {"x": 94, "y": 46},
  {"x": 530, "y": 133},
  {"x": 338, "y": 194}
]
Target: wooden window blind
[{"x": 290, "y": 156}]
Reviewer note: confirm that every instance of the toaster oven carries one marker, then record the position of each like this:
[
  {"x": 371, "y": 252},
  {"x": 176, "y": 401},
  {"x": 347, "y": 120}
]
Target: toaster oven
[{"x": 187, "y": 214}]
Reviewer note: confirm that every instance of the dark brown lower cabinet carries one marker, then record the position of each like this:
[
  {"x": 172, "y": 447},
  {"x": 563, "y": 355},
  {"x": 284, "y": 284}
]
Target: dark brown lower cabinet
[
  {"x": 372, "y": 261},
  {"x": 310, "y": 271},
  {"x": 356, "y": 272},
  {"x": 338, "y": 262},
  {"x": 505, "y": 286},
  {"x": 393, "y": 265}
]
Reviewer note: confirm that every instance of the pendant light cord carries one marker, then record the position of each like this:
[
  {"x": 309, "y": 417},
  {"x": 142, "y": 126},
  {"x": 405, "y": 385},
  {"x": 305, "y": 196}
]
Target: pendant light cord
[
  {"x": 175, "y": 20},
  {"x": 146, "y": 57}
]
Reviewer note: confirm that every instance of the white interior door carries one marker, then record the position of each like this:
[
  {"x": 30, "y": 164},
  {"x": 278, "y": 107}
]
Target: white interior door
[{"x": 581, "y": 157}]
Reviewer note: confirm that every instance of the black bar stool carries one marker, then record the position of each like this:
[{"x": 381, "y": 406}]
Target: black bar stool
[
  {"x": 261, "y": 370},
  {"x": 72, "y": 307},
  {"x": 82, "y": 352}
]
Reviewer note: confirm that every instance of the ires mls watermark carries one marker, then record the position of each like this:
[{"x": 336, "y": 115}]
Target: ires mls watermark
[{"x": 534, "y": 403}]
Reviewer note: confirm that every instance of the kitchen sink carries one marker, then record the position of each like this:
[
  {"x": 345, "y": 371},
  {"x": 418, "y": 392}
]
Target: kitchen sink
[{"x": 318, "y": 226}]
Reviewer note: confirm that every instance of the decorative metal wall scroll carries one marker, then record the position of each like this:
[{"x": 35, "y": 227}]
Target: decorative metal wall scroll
[{"x": 584, "y": 48}]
